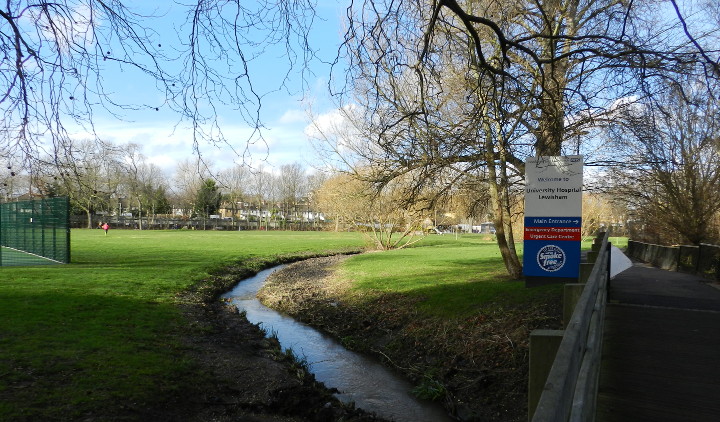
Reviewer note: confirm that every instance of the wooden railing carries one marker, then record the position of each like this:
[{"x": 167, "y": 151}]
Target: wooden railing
[{"x": 567, "y": 389}]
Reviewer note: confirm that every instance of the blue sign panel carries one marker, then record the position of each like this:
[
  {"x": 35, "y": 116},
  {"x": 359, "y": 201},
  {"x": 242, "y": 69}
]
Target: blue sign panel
[{"x": 552, "y": 246}]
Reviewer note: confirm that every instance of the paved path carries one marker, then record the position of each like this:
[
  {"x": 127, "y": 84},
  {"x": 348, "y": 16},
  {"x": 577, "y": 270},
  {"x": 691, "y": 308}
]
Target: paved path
[{"x": 661, "y": 349}]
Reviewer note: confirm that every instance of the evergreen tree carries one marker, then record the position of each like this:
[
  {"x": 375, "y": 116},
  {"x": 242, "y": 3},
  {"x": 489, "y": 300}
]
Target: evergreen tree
[{"x": 207, "y": 201}]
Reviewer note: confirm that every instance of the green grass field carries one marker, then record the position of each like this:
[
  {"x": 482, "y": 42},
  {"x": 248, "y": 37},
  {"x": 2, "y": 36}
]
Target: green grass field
[
  {"x": 104, "y": 329},
  {"x": 11, "y": 257},
  {"x": 452, "y": 276}
]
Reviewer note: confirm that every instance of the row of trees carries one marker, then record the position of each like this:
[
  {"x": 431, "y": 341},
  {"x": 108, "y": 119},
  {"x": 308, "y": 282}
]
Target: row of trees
[
  {"x": 100, "y": 177},
  {"x": 108, "y": 179},
  {"x": 442, "y": 99},
  {"x": 116, "y": 181}
]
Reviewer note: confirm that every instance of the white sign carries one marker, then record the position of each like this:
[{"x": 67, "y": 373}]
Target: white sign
[
  {"x": 554, "y": 186},
  {"x": 618, "y": 262}
]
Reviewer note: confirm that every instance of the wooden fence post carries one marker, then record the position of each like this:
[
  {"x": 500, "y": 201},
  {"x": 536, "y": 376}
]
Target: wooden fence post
[
  {"x": 585, "y": 270},
  {"x": 544, "y": 345},
  {"x": 571, "y": 295}
]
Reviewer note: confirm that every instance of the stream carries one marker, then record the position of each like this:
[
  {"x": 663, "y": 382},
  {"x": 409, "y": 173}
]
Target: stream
[{"x": 360, "y": 379}]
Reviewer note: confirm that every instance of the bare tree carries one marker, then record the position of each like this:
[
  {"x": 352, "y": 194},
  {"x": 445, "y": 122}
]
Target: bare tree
[
  {"x": 384, "y": 217},
  {"x": 292, "y": 188},
  {"x": 235, "y": 185},
  {"x": 340, "y": 198},
  {"x": 603, "y": 210},
  {"x": 560, "y": 58},
  {"x": 187, "y": 180},
  {"x": 263, "y": 193},
  {"x": 671, "y": 173},
  {"x": 92, "y": 177},
  {"x": 145, "y": 184},
  {"x": 56, "y": 55}
]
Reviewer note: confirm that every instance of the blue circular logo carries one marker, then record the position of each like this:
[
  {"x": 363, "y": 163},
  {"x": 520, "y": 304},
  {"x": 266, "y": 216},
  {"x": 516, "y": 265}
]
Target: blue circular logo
[{"x": 551, "y": 258}]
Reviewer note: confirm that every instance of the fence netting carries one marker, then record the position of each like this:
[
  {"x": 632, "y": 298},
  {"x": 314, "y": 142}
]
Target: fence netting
[{"x": 35, "y": 232}]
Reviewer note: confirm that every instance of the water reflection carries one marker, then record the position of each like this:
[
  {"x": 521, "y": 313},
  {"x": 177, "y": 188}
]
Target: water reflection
[{"x": 370, "y": 385}]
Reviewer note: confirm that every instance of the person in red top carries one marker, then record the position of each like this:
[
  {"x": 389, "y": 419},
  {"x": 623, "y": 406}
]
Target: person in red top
[{"x": 105, "y": 227}]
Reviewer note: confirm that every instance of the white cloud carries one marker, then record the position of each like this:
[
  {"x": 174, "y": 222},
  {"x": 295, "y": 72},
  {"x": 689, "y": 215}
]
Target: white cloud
[
  {"x": 293, "y": 116},
  {"x": 165, "y": 162},
  {"x": 166, "y": 146},
  {"x": 335, "y": 127},
  {"x": 166, "y": 143},
  {"x": 333, "y": 122},
  {"x": 632, "y": 102}
]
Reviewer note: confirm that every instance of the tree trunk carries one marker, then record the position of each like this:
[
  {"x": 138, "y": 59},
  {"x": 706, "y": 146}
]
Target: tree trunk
[
  {"x": 506, "y": 204},
  {"x": 551, "y": 125},
  {"x": 139, "y": 214},
  {"x": 507, "y": 250},
  {"x": 497, "y": 191},
  {"x": 551, "y": 130}
]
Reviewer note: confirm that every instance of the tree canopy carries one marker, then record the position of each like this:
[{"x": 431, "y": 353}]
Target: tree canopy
[
  {"x": 670, "y": 177},
  {"x": 467, "y": 90}
]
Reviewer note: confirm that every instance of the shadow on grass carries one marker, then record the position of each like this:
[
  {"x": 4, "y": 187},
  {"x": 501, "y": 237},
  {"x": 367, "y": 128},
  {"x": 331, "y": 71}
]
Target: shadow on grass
[{"x": 67, "y": 355}]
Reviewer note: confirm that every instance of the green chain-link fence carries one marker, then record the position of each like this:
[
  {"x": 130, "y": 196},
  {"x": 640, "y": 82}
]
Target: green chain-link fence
[{"x": 35, "y": 232}]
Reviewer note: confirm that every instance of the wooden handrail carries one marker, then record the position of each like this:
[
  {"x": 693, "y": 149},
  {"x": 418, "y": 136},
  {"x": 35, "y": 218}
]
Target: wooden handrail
[{"x": 570, "y": 392}]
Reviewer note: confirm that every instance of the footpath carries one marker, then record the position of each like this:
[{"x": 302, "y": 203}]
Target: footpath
[{"x": 661, "y": 349}]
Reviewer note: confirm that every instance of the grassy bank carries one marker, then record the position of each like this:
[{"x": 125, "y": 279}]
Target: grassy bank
[
  {"x": 448, "y": 277},
  {"x": 445, "y": 313},
  {"x": 460, "y": 325},
  {"x": 102, "y": 334}
]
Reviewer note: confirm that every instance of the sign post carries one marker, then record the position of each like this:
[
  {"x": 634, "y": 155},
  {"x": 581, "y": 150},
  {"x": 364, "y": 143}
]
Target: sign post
[{"x": 553, "y": 219}]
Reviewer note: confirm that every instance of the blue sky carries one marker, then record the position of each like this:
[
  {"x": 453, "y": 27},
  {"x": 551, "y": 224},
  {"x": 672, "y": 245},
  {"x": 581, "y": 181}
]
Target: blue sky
[{"x": 284, "y": 113}]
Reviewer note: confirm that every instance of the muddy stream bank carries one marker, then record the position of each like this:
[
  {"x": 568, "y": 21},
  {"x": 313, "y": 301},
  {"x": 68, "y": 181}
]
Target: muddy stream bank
[{"x": 357, "y": 378}]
